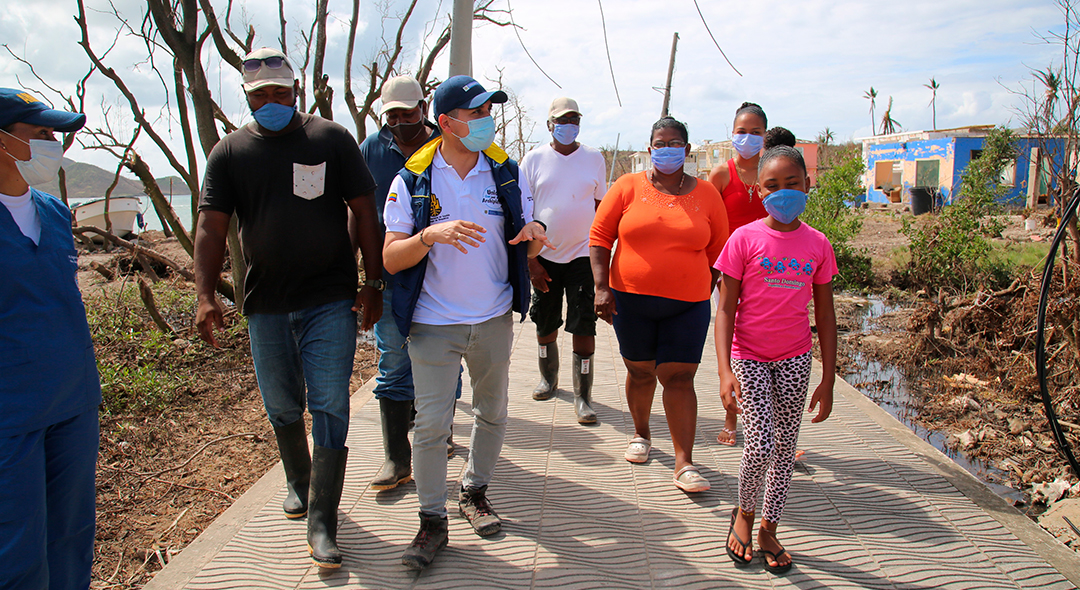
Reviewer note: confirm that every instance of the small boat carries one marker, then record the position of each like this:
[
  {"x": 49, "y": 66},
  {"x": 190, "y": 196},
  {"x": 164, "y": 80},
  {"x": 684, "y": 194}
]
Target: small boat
[{"x": 123, "y": 212}]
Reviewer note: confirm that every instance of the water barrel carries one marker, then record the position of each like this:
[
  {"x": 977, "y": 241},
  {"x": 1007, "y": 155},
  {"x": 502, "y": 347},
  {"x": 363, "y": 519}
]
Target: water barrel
[{"x": 922, "y": 199}]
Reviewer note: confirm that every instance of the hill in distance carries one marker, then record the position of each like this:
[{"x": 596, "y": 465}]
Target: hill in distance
[{"x": 86, "y": 181}]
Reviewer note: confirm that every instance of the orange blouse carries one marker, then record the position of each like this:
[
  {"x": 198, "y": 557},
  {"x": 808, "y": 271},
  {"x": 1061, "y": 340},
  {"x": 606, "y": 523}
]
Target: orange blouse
[{"x": 666, "y": 244}]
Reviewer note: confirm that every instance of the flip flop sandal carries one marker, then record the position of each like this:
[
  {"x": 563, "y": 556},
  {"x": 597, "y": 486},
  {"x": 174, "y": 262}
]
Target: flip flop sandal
[
  {"x": 737, "y": 557},
  {"x": 799, "y": 454},
  {"x": 775, "y": 569},
  {"x": 729, "y": 443},
  {"x": 688, "y": 479},
  {"x": 638, "y": 450}
]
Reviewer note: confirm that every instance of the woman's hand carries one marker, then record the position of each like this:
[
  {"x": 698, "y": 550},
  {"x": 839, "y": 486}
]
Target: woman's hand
[{"x": 604, "y": 304}]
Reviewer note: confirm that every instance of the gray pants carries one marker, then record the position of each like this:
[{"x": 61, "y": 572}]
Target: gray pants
[{"x": 436, "y": 353}]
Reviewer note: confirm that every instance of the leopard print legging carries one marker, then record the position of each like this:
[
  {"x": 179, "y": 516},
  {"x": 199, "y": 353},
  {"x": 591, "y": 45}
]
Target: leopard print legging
[{"x": 773, "y": 395}]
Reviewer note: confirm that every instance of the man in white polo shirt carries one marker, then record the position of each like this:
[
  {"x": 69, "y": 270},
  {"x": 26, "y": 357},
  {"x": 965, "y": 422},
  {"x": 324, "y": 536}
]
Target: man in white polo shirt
[
  {"x": 459, "y": 229},
  {"x": 568, "y": 182}
]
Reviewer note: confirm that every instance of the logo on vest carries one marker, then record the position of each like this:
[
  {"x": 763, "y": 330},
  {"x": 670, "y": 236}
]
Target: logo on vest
[
  {"x": 436, "y": 206},
  {"x": 491, "y": 200}
]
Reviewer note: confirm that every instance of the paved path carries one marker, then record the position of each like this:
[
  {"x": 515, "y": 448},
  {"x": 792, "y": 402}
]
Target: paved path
[{"x": 871, "y": 506}]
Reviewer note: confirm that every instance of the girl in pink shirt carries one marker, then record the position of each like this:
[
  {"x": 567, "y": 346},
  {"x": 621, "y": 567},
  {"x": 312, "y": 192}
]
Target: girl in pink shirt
[{"x": 772, "y": 268}]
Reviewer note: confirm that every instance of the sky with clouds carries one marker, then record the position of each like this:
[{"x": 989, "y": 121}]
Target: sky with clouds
[{"x": 808, "y": 63}]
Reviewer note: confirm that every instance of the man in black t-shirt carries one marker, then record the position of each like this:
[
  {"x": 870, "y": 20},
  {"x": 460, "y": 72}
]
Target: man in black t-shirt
[{"x": 291, "y": 180}]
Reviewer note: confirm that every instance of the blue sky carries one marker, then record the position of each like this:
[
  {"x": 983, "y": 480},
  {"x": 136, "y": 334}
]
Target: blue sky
[{"x": 807, "y": 63}]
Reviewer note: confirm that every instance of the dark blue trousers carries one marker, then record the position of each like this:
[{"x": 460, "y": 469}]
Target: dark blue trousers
[{"x": 47, "y": 498}]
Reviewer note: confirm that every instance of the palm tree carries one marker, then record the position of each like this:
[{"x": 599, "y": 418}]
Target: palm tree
[
  {"x": 871, "y": 95},
  {"x": 888, "y": 124},
  {"x": 933, "y": 86},
  {"x": 826, "y": 137}
]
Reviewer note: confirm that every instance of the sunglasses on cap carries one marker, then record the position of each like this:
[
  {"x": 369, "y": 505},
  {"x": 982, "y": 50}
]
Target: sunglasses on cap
[{"x": 273, "y": 62}]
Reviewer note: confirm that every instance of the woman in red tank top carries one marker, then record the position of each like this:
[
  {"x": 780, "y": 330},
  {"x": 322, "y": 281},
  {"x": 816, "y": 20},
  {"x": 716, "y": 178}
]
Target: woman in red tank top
[
  {"x": 737, "y": 179},
  {"x": 737, "y": 182}
]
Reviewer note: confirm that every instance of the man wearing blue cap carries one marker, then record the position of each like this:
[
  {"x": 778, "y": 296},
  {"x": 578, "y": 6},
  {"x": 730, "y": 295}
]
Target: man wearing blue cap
[
  {"x": 459, "y": 230},
  {"x": 292, "y": 179},
  {"x": 49, "y": 387}
]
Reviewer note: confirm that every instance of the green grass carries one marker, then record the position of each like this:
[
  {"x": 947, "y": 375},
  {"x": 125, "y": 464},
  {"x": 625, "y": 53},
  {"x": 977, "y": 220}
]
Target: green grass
[
  {"x": 1020, "y": 256},
  {"x": 141, "y": 368}
]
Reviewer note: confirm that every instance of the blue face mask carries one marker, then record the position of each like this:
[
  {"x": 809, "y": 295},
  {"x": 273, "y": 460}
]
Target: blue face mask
[
  {"x": 668, "y": 160},
  {"x": 274, "y": 116},
  {"x": 565, "y": 134},
  {"x": 785, "y": 205},
  {"x": 481, "y": 133},
  {"x": 747, "y": 145}
]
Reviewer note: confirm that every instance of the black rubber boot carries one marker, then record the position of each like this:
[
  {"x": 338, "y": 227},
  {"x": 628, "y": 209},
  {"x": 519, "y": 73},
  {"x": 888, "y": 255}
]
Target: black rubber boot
[
  {"x": 433, "y": 536},
  {"x": 293, "y": 448},
  {"x": 583, "y": 389},
  {"x": 327, "y": 479},
  {"x": 397, "y": 469},
  {"x": 549, "y": 372}
]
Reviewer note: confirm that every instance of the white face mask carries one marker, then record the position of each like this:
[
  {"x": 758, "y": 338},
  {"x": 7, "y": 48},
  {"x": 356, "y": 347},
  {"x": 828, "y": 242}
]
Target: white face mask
[{"x": 45, "y": 159}]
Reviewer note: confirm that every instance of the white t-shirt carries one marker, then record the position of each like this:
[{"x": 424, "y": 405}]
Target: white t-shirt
[
  {"x": 24, "y": 212},
  {"x": 566, "y": 189},
  {"x": 461, "y": 288}
]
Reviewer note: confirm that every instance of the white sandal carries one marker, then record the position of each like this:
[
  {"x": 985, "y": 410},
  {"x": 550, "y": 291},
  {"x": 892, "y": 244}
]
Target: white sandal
[
  {"x": 688, "y": 479},
  {"x": 638, "y": 451}
]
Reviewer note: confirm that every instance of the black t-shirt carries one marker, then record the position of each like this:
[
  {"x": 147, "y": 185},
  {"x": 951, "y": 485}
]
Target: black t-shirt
[{"x": 289, "y": 194}]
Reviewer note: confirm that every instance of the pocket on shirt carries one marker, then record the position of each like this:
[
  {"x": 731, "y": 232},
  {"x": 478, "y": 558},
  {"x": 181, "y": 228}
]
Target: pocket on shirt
[{"x": 309, "y": 181}]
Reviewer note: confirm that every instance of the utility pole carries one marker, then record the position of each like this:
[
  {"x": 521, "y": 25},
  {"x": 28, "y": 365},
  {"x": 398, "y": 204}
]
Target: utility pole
[
  {"x": 461, "y": 38},
  {"x": 670, "y": 71}
]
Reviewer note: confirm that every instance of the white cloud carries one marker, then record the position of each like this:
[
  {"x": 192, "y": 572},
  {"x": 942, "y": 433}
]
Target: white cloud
[{"x": 807, "y": 63}]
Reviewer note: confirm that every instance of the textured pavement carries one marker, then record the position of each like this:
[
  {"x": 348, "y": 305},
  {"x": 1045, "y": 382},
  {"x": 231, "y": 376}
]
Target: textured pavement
[{"x": 871, "y": 506}]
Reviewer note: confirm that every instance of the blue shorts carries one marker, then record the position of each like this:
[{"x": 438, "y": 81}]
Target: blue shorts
[{"x": 651, "y": 328}]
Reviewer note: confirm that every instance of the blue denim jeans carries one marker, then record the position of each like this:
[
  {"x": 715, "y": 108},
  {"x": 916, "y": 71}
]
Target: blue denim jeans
[
  {"x": 395, "y": 379},
  {"x": 306, "y": 358},
  {"x": 437, "y": 352},
  {"x": 47, "y": 500}
]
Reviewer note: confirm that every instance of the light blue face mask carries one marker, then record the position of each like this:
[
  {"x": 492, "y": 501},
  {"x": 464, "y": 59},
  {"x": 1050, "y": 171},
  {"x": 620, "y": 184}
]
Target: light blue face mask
[
  {"x": 668, "y": 160},
  {"x": 565, "y": 134},
  {"x": 481, "y": 133},
  {"x": 274, "y": 116},
  {"x": 747, "y": 145},
  {"x": 785, "y": 205}
]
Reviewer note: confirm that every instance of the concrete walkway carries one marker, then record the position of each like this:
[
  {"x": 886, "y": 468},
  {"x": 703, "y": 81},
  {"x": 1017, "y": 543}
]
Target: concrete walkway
[{"x": 871, "y": 506}]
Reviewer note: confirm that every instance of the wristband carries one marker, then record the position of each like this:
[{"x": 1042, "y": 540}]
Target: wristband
[
  {"x": 422, "y": 239},
  {"x": 542, "y": 224}
]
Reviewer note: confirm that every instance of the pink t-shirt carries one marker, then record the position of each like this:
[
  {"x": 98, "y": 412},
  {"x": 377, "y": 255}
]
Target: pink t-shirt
[{"x": 776, "y": 269}]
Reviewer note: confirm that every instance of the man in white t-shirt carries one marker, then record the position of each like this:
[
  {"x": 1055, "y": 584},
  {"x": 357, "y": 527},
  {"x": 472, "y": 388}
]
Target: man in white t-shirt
[
  {"x": 567, "y": 179},
  {"x": 459, "y": 229}
]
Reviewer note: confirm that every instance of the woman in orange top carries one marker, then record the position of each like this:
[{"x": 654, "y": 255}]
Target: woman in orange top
[{"x": 670, "y": 228}]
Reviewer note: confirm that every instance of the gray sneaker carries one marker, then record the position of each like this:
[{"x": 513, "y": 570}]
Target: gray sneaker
[
  {"x": 475, "y": 507},
  {"x": 432, "y": 537}
]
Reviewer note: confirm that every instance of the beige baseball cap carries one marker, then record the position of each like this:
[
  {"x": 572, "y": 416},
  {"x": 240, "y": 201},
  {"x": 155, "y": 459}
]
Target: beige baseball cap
[
  {"x": 401, "y": 92},
  {"x": 266, "y": 67},
  {"x": 561, "y": 106}
]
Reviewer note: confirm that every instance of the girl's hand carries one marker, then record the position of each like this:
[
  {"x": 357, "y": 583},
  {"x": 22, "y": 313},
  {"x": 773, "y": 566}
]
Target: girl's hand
[
  {"x": 730, "y": 391},
  {"x": 823, "y": 394}
]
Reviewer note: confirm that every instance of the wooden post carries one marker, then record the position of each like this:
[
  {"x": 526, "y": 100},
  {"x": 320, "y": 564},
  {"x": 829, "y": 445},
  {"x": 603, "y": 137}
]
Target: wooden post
[
  {"x": 670, "y": 71},
  {"x": 461, "y": 38}
]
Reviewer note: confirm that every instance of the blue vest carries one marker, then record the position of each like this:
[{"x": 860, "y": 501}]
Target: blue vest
[
  {"x": 417, "y": 177},
  {"x": 47, "y": 368}
]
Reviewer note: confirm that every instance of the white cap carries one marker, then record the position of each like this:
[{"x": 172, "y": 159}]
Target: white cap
[
  {"x": 265, "y": 76},
  {"x": 401, "y": 92},
  {"x": 561, "y": 106}
]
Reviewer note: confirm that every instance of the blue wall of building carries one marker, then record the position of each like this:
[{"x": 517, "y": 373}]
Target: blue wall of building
[{"x": 955, "y": 155}]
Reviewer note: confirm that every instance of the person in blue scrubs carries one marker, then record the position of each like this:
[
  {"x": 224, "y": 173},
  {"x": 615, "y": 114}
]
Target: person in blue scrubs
[{"x": 49, "y": 386}]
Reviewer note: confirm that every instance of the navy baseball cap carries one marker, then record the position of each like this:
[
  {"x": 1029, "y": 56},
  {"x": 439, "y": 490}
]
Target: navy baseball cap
[
  {"x": 19, "y": 106},
  {"x": 462, "y": 92}
]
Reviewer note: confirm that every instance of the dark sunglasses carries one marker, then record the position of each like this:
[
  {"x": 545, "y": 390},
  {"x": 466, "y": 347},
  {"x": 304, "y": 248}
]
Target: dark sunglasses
[{"x": 272, "y": 62}]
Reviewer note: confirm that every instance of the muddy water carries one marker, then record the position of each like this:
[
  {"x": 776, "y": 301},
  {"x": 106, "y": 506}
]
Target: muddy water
[{"x": 897, "y": 392}]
